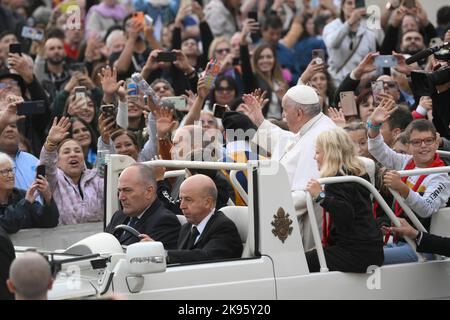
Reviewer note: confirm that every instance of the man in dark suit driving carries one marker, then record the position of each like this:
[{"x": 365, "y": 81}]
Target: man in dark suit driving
[
  {"x": 208, "y": 234},
  {"x": 142, "y": 210}
]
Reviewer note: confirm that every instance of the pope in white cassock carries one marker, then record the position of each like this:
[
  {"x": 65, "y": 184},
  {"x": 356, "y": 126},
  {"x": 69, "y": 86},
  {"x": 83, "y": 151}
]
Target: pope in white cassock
[{"x": 295, "y": 148}]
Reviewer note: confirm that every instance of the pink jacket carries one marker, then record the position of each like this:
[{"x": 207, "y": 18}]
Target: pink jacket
[{"x": 74, "y": 208}]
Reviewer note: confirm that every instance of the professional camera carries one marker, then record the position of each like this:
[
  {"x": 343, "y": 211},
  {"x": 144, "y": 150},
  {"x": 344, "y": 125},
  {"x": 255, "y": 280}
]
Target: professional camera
[
  {"x": 443, "y": 55},
  {"x": 424, "y": 83}
]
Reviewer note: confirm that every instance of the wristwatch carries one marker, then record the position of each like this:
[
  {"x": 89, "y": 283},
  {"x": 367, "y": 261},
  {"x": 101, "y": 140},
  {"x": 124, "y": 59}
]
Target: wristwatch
[{"x": 320, "y": 197}]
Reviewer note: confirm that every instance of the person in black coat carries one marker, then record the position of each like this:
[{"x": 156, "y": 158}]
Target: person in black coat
[
  {"x": 142, "y": 210},
  {"x": 7, "y": 255},
  {"x": 426, "y": 242},
  {"x": 209, "y": 234},
  {"x": 19, "y": 208},
  {"x": 351, "y": 239}
]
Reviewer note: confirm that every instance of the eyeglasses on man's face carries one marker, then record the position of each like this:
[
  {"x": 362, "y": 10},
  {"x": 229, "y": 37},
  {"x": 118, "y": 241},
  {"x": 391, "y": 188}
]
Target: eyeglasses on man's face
[
  {"x": 5, "y": 172},
  {"x": 418, "y": 142}
]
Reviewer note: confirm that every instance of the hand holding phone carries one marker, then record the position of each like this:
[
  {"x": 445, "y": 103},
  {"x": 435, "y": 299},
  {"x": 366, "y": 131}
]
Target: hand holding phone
[
  {"x": 385, "y": 61},
  {"x": 80, "y": 92},
  {"x": 109, "y": 111},
  {"x": 15, "y": 48},
  {"x": 179, "y": 102},
  {"x": 211, "y": 72},
  {"x": 409, "y": 4},
  {"x": 40, "y": 170},
  {"x": 28, "y": 108},
  {"x": 32, "y": 33},
  {"x": 219, "y": 110},
  {"x": 139, "y": 17},
  {"x": 318, "y": 55},
  {"x": 165, "y": 56}
]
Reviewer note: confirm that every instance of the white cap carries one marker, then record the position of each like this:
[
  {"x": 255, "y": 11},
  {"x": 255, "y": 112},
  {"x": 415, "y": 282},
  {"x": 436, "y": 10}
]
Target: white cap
[{"x": 303, "y": 94}]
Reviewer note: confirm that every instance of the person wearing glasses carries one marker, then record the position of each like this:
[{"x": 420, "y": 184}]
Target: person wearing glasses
[
  {"x": 19, "y": 208},
  {"x": 424, "y": 194}
]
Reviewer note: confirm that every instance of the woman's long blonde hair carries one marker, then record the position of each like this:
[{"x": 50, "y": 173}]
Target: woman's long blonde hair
[{"x": 340, "y": 154}]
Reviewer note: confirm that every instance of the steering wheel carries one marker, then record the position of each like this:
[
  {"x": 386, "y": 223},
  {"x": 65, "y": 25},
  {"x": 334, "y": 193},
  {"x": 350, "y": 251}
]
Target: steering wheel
[{"x": 129, "y": 229}]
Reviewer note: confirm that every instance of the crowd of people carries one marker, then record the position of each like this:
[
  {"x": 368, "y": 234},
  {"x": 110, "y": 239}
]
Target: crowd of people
[{"x": 305, "y": 81}]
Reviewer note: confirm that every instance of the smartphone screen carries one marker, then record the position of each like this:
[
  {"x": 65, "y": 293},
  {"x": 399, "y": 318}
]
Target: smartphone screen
[
  {"x": 179, "y": 103},
  {"x": 219, "y": 110},
  {"x": 166, "y": 57},
  {"x": 109, "y": 111},
  {"x": 360, "y": 4},
  {"x": 78, "y": 66},
  {"x": 252, "y": 15},
  {"x": 32, "y": 33},
  {"x": 80, "y": 92},
  {"x": 318, "y": 55},
  {"x": 385, "y": 61},
  {"x": 15, "y": 48},
  {"x": 409, "y": 4},
  {"x": 377, "y": 89},
  {"x": 40, "y": 170},
  {"x": 348, "y": 103},
  {"x": 27, "y": 108}
]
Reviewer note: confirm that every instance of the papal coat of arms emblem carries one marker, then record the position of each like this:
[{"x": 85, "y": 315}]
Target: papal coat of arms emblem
[{"x": 282, "y": 225}]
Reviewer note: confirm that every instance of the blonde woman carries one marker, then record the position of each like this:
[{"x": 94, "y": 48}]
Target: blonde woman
[{"x": 351, "y": 239}]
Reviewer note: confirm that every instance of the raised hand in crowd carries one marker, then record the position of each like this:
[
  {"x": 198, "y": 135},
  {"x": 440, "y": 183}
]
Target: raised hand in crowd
[
  {"x": 427, "y": 103},
  {"x": 8, "y": 115},
  {"x": 260, "y": 97},
  {"x": 159, "y": 170},
  {"x": 73, "y": 82},
  {"x": 111, "y": 86},
  {"x": 181, "y": 14},
  {"x": 310, "y": 71},
  {"x": 135, "y": 28},
  {"x": 58, "y": 132},
  {"x": 182, "y": 62},
  {"x": 198, "y": 11},
  {"x": 86, "y": 81},
  {"x": 356, "y": 17},
  {"x": 76, "y": 105},
  {"x": 164, "y": 122},
  {"x": 397, "y": 16},
  {"x": 21, "y": 65},
  {"x": 402, "y": 67},
  {"x": 93, "y": 47},
  {"x": 337, "y": 116},
  {"x": 40, "y": 184},
  {"x": 252, "y": 108},
  {"x": 202, "y": 89},
  {"x": 380, "y": 115},
  {"x": 190, "y": 99},
  {"x": 106, "y": 127},
  {"x": 248, "y": 26},
  {"x": 421, "y": 13},
  {"x": 366, "y": 66}
]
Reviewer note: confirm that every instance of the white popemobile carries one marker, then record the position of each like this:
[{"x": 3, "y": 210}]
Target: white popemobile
[{"x": 273, "y": 263}]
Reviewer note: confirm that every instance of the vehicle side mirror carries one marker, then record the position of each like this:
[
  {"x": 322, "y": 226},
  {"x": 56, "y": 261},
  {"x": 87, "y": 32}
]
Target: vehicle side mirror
[{"x": 146, "y": 257}]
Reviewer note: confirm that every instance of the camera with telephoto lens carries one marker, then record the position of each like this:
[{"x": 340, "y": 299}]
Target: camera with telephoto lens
[{"x": 424, "y": 83}]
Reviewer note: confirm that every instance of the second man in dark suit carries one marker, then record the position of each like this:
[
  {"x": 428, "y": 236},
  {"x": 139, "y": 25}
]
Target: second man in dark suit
[
  {"x": 142, "y": 210},
  {"x": 208, "y": 234}
]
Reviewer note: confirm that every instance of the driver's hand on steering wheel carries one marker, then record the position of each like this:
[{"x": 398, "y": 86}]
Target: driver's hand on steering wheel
[{"x": 145, "y": 238}]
